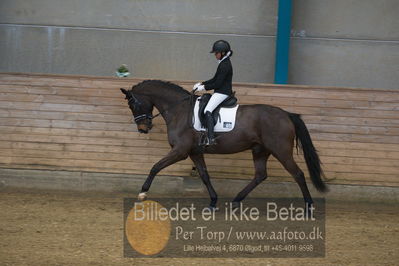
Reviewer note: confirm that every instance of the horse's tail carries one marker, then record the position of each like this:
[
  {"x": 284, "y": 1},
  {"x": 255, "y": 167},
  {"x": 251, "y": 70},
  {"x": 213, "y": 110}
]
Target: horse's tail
[{"x": 311, "y": 157}]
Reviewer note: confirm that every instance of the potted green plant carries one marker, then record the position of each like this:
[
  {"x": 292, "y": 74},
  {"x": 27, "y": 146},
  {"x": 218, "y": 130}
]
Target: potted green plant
[{"x": 122, "y": 71}]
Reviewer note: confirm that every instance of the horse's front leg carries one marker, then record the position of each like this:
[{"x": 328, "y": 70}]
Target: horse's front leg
[
  {"x": 199, "y": 162},
  {"x": 172, "y": 157}
]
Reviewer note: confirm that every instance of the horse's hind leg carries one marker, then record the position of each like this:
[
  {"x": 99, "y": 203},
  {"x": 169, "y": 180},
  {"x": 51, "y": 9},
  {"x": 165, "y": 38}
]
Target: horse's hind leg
[
  {"x": 199, "y": 162},
  {"x": 260, "y": 156},
  {"x": 290, "y": 165}
]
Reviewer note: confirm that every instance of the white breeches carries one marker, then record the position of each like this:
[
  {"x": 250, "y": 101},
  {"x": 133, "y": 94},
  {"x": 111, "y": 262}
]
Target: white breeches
[{"x": 216, "y": 99}]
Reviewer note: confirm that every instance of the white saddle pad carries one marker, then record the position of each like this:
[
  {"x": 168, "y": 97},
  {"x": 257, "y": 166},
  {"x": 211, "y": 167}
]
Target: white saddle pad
[{"x": 225, "y": 123}]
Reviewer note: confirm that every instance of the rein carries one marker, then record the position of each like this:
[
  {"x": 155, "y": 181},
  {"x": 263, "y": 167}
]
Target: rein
[{"x": 182, "y": 100}]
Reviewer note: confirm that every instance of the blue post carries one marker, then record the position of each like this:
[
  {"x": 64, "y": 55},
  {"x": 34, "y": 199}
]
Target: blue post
[{"x": 283, "y": 41}]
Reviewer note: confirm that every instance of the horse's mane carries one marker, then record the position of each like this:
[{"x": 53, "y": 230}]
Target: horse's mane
[{"x": 161, "y": 83}]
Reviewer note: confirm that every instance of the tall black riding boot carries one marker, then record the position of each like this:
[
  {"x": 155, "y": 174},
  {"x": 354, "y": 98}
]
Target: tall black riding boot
[{"x": 210, "y": 125}]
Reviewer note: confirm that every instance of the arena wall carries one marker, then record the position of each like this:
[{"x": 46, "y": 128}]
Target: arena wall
[
  {"x": 334, "y": 43},
  {"x": 82, "y": 124}
]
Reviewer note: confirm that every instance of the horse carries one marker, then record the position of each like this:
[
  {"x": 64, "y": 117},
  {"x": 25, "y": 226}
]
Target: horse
[{"x": 264, "y": 129}]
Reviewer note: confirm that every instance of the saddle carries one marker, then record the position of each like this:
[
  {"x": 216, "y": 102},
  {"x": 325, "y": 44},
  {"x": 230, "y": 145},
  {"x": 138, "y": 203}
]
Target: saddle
[{"x": 230, "y": 102}]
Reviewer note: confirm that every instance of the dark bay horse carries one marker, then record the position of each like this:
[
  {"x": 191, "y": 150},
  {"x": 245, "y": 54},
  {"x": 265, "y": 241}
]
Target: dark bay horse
[{"x": 265, "y": 129}]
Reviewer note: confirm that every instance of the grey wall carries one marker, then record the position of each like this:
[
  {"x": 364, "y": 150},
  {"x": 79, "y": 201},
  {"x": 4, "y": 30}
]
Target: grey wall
[
  {"x": 345, "y": 43},
  {"x": 339, "y": 43}
]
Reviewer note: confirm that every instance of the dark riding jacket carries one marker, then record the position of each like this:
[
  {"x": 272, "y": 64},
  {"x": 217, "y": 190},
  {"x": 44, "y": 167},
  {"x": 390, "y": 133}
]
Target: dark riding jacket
[{"x": 222, "y": 81}]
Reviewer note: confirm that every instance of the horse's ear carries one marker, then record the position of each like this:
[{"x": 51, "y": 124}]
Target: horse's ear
[{"x": 124, "y": 91}]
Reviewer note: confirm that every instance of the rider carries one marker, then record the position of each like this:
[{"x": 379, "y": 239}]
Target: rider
[{"x": 221, "y": 83}]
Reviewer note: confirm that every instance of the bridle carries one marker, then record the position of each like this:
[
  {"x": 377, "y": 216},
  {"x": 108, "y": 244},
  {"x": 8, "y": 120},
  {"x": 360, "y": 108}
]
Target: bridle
[{"x": 133, "y": 101}]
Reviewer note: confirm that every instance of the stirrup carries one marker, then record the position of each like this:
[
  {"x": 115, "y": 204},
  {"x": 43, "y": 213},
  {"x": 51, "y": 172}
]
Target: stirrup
[
  {"x": 204, "y": 141},
  {"x": 210, "y": 142}
]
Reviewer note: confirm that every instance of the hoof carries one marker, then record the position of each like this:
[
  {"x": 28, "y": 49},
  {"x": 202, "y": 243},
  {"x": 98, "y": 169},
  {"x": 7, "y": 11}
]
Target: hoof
[{"x": 142, "y": 196}]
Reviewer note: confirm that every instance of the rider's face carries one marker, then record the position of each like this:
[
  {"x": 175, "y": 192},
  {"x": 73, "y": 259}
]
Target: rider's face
[{"x": 218, "y": 55}]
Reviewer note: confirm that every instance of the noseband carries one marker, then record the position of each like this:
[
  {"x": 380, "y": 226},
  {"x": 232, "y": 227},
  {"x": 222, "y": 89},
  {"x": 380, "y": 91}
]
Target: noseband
[{"x": 142, "y": 117}]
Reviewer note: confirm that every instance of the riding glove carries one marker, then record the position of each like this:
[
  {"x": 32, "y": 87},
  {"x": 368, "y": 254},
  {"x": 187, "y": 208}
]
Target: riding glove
[
  {"x": 195, "y": 87},
  {"x": 200, "y": 88}
]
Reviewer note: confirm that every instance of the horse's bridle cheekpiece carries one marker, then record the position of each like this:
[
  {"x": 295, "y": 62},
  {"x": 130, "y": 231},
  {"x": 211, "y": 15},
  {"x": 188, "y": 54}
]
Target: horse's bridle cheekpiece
[{"x": 133, "y": 101}]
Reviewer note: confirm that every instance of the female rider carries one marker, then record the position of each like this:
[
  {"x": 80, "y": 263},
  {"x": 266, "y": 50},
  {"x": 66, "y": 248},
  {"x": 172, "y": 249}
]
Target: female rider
[{"x": 221, "y": 83}]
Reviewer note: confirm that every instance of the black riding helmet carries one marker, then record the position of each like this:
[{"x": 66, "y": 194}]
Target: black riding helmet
[{"x": 220, "y": 46}]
